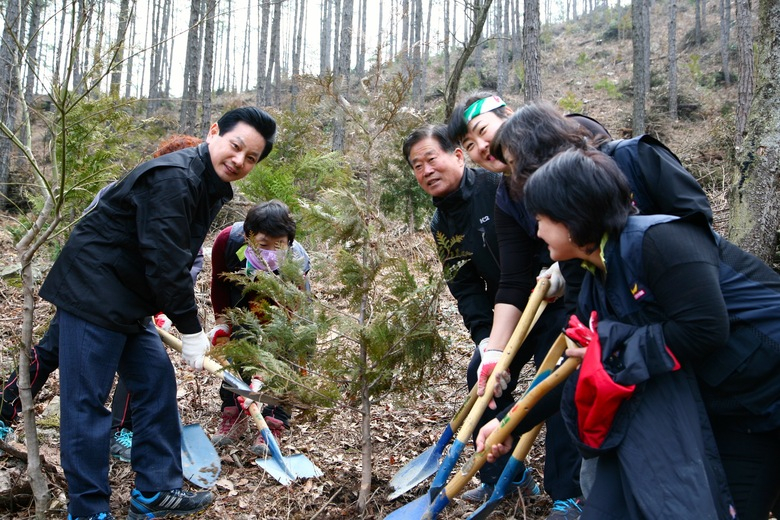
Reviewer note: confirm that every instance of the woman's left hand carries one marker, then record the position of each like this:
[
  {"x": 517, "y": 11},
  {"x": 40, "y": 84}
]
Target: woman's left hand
[{"x": 498, "y": 449}]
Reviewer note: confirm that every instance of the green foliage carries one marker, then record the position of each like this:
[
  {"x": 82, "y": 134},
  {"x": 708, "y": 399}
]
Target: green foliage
[
  {"x": 695, "y": 67},
  {"x": 276, "y": 337},
  {"x": 570, "y": 103},
  {"x": 401, "y": 196},
  {"x": 300, "y": 164},
  {"x": 609, "y": 87},
  {"x": 450, "y": 255},
  {"x": 582, "y": 59}
]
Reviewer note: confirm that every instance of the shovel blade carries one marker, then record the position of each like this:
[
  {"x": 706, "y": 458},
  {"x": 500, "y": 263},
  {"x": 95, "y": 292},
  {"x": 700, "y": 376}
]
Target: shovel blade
[
  {"x": 293, "y": 467},
  {"x": 415, "y": 472},
  {"x": 413, "y": 510},
  {"x": 199, "y": 459}
]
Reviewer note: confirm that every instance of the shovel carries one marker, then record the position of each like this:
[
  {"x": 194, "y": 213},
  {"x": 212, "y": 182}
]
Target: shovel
[
  {"x": 283, "y": 469},
  {"x": 200, "y": 462},
  {"x": 428, "y": 462},
  {"x": 413, "y": 509},
  {"x": 542, "y": 384},
  {"x": 526, "y": 441}
]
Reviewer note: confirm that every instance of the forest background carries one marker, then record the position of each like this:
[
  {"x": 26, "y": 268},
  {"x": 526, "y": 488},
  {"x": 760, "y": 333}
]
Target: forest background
[{"x": 89, "y": 89}]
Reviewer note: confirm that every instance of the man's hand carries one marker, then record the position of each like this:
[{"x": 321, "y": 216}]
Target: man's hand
[
  {"x": 194, "y": 348},
  {"x": 557, "y": 283},
  {"x": 255, "y": 385},
  {"x": 490, "y": 358},
  {"x": 498, "y": 449},
  {"x": 163, "y": 321},
  {"x": 220, "y": 331}
]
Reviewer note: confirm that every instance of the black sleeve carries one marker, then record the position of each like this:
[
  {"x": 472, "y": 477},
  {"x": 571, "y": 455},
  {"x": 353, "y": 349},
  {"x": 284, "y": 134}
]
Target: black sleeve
[
  {"x": 681, "y": 261},
  {"x": 516, "y": 253},
  {"x": 469, "y": 290},
  {"x": 671, "y": 188}
]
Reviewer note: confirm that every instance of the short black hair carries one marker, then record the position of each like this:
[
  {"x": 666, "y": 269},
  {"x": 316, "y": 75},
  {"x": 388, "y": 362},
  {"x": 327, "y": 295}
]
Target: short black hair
[
  {"x": 457, "y": 128},
  {"x": 437, "y": 132},
  {"x": 255, "y": 117},
  {"x": 584, "y": 190},
  {"x": 271, "y": 218}
]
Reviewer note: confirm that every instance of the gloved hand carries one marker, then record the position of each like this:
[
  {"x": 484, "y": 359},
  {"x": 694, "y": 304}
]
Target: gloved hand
[
  {"x": 490, "y": 358},
  {"x": 220, "y": 331},
  {"x": 255, "y": 385},
  {"x": 194, "y": 348},
  {"x": 557, "y": 283},
  {"x": 580, "y": 333},
  {"x": 163, "y": 321}
]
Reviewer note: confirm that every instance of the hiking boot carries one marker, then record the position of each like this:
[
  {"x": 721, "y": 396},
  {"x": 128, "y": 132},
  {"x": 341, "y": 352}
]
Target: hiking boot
[
  {"x": 277, "y": 428},
  {"x": 569, "y": 509},
  {"x": 168, "y": 503},
  {"x": 231, "y": 428},
  {"x": 527, "y": 486},
  {"x": 121, "y": 444},
  {"x": 99, "y": 516}
]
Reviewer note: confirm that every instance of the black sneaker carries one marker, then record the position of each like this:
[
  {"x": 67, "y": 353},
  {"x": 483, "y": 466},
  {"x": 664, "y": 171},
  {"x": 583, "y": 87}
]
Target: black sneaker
[
  {"x": 122, "y": 444},
  {"x": 168, "y": 503}
]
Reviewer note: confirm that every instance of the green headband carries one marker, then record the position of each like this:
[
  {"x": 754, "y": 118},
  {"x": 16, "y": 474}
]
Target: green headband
[{"x": 481, "y": 106}]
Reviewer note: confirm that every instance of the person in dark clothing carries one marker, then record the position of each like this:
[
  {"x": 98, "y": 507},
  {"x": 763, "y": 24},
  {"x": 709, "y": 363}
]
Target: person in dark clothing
[
  {"x": 474, "y": 124},
  {"x": 44, "y": 357},
  {"x": 128, "y": 258},
  {"x": 464, "y": 199},
  {"x": 270, "y": 231},
  {"x": 674, "y": 301}
]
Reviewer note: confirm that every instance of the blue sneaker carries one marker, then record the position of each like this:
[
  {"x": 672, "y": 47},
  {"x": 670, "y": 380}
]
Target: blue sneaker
[
  {"x": 121, "y": 444},
  {"x": 168, "y": 503},
  {"x": 527, "y": 486},
  {"x": 99, "y": 516},
  {"x": 569, "y": 509}
]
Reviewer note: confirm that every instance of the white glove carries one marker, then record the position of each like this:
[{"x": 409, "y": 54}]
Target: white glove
[
  {"x": 163, "y": 321},
  {"x": 557, "y": 283},
  {"x": 220, "y": 331},
  {"x": 255, "y": 385},
  {"x": 194, "y": 348},
  {"x": 490, "y": 358}
]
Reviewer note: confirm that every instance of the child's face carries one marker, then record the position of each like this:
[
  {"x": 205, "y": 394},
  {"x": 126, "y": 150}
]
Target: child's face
[{"x": 268, "y": 243}]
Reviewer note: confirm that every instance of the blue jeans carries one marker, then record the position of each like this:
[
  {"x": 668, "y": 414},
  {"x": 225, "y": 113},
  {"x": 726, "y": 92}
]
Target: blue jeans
[{"x": 89, "y": 357}]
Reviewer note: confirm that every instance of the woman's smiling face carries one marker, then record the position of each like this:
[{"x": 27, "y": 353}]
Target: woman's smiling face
[{"x": 476, "y": 142}]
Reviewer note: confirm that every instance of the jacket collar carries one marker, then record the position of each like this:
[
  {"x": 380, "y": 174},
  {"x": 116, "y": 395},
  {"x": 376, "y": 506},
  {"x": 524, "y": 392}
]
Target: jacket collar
[
  {"x": 457, "y": 197},
  {"x": 216, "y": 187}
]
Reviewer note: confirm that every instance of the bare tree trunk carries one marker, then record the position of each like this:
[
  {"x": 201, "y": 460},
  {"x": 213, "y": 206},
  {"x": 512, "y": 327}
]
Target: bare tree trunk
[
  {"x": 262, "y": 51},
  {"x": 131, "y": 59},
  {"x": 754, "y": 217},
  {"x": 673, "y": 59},
  {"x": 453, "y": 82},
  {"x": 10, "y": 89},
  {"x": 405, "y": 37},
  {"x": 532, "y": 85},
  {"x": 296, "y": 64},
  {"x": 639, "y": 39},
  {"x": 360, "y": 67},
  {"x": 336, "y": 33},
  {"x": 416, "y": 44},
  {"x": 247, "y": 46},
  {"x": 427, "y": 53},
  {"x": 32, "y": 57},
  {"x": 116, "y": 75},
  {"x": 745, "y": 84},
  {"x": 697, "y": 24},
  {"x": 208, "y": 65},
  {"x": 341, "y": 81},
  {"x": 446, "y": 42},
  {"x": 725, "y": 21},
  {"x": 189, "y": 98},
  {"x": 325, "y": 37},
  {"x": 501, "y": 60},
  {"x": 273, "y": 77}
]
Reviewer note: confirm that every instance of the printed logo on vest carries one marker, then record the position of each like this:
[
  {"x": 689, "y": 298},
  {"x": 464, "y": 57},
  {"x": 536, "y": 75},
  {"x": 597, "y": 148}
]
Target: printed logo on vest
[
  {"x": 637, "y": 292},
  {"x": 484, "y": 219}
]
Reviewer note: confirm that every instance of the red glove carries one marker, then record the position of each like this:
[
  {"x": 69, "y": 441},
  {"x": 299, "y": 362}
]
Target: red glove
[
  {"x": 163, "y": 321},
  {"x": 220, "y": 331},
  {"x": 580, "y": 333}
]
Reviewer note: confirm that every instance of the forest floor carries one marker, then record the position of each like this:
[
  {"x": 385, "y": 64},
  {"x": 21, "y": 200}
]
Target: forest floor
[{"x": 329, "y": 438}]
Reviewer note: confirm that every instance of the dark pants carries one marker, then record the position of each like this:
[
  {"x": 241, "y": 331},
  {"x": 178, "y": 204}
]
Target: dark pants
[
  {"x": 562, "y": 460},
  {"x": 45, "y": 359},
  {"x": 89, "y": 357},
  {"x": 752, "y": 465}
]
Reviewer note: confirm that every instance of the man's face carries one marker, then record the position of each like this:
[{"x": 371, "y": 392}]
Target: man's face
[
  {"x": 235, "y": 153},
  {"x": 437, "y": 172}
]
